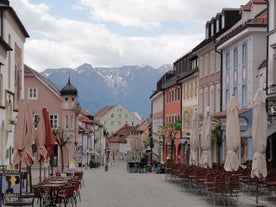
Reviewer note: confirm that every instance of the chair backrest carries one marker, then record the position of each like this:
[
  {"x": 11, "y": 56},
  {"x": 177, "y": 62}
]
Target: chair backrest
[
  {"x": 79, "y": 174},
  {"x": 234, "y": 182},
  {"x": 69, "y": 190},
  {"x": 220, "y": 183},
  {"x": 37, "y": 192}
]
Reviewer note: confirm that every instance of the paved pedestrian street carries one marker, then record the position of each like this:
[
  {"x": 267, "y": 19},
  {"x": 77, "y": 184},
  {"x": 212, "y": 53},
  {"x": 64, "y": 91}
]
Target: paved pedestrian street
[{"x": 118, "y": 188}]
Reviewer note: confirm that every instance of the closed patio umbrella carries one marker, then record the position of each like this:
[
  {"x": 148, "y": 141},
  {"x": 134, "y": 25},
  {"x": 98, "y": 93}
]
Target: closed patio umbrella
[
  {"x": 40, "y": 136},
  {"x": 49, "y": 139},
  {"x": 194, "y": 140},
  {"x": 206, "y": 160},
  {"x": 233, "y": 142},
  {"x": 259, "y": 135},
  {"x": 23, "y": 136}
]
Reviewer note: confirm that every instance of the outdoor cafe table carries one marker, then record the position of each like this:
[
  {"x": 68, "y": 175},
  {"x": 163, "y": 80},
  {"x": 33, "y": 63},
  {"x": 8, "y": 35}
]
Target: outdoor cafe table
[{"x": 53, "y": 187}]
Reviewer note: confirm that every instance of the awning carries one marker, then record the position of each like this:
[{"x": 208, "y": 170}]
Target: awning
[
  {"x": 271, "y": 129},
  {"x": 247, "y": 133}
]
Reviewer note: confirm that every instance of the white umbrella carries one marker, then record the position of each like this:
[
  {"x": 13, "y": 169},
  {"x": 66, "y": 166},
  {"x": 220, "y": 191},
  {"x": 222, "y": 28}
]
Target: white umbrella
[
  {"x": 259, "y": 133},
  {"x": 206, "y": 160},
  {"x": 233, "y": 142},
  {"x": 194, "y": 140}
]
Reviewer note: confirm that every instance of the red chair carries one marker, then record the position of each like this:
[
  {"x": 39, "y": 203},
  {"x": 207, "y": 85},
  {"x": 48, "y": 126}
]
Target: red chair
[
  {"x": 41, "y": 195},
  {"x": 79, "y": 174},
  {"x": 68, "y": 194}
]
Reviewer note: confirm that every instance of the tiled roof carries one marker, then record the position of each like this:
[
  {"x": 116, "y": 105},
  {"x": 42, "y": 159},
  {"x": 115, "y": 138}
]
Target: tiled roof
[
  {"x": 121, "y": 134},
  {"x": 263, "y": 64},
  {"x": 262, "y": 19},
  {"x": 142, "y": 127},
  {"x": 31, "y": 72},
  {"x": 85, "y": 119},
  {"x": 103, "y": 111}
]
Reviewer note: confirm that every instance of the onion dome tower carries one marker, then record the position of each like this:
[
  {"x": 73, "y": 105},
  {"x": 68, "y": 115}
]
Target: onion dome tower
[{"x": 69, "y": 90}]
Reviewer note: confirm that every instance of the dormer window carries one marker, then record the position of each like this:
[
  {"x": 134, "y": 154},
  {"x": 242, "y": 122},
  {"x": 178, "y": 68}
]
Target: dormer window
[
  {"x": 207, "y": 31},
  {"x": 222, "y": 21},
  {"x": 217, "y": 25},
  {"x": 212, "y": 29}
]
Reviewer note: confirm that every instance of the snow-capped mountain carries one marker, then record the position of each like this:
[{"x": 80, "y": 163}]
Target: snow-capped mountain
[{"x": 99, "y": 86}]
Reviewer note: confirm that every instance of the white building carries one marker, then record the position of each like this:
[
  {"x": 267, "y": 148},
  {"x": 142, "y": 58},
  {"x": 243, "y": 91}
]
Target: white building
[
  {"x": 12, "y": 38},
  {"x": 115, "y": 116}
]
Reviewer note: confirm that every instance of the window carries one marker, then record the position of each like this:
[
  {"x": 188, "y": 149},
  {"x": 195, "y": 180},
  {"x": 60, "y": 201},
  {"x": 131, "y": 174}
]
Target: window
[
  {"x": 126, "y": 115},
  {"x": 54, "y": 121},
  {"x": 172, "y": 95},
  {"x": 212, "y": 62},
  {"x": 227, "y": 96},
  {"x": 274, "y": 69},
  {"x": 112, "y": 115},
  {"x": 1, "y": 88},
  {"x": 217, "y": 97},
  {"x": 206, "y": 65},
  {"x": 244, "y": 95},
  {"x": 235, "y": 91},
  {"x": 119, "y": 123},
  {"x": 72, "y": 121},
  {"x": 222, "y": 21},
  {"x": 119, "y": 115},
  {"x": 32, "y": 93},
  {"x": 207, "y": 32},
  {"x": 235, "y": 57},
  {"x": 66, "y": 119},
  {"x": 217, "y": 27},
  {"x": 112, "y": 123},
  {"x": 244, "y": 53}
]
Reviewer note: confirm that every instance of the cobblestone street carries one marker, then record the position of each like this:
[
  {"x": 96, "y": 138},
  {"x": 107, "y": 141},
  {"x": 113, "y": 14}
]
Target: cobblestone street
[{"x": 118, "y": 188}]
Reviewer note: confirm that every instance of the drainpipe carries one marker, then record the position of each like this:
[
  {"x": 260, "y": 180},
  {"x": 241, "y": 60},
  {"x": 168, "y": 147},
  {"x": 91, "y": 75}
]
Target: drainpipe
[
  {"x": 221, "y": 76},
  {"x": 267, "y": 58}
]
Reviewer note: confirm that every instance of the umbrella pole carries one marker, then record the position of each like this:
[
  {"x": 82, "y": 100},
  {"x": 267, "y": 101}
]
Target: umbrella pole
[
  {"x": 30, "y": 176},
  {"x": 40, "y": 171},
  {"x": 257, "y": 189}
]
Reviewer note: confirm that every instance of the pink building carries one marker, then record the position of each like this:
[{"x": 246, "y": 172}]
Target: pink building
[{"x": 62, "y": 106}]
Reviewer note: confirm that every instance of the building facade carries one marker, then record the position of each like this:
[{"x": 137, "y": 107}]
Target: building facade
[
  {"x": 115, "y": 116},
  {"x": 12, "y": 39}
]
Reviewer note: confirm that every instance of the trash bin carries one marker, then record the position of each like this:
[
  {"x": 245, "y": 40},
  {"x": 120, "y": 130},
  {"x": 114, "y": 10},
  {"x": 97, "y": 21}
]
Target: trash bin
[
  {"x": 91, "y": 164},
  {"x": 106, "y": 167}
]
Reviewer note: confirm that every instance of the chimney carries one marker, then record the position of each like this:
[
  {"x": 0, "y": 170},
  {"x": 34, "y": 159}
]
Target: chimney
[{"x": 6, "y": 2}]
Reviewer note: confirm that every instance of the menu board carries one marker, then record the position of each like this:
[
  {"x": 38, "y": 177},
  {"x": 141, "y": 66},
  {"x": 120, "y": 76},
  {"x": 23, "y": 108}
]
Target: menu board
[{"x": 10, "y": 184}]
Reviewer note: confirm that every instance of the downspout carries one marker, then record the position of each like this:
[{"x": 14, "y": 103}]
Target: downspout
[
  {"x": 267, "y": 58},
  {"x": 221, "y": 76}
]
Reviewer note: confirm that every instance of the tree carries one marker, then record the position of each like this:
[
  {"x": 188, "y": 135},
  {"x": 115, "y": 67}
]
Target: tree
[
  {"x": 216, "y": 136},
  {"x": 61, "y": 138},
  {"x": 171, "y": 130}
]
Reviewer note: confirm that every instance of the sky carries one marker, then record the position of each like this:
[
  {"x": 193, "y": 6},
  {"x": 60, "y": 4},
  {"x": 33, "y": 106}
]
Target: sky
[{"x": 113, "y": 33}]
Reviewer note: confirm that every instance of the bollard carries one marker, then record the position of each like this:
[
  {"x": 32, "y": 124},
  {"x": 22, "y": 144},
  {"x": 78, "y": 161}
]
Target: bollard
[{"x": 106, "y": 167}]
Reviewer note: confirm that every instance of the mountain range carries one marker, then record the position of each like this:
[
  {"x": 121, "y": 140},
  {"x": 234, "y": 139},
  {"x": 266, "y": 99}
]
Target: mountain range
[{"x": 101, "y": 86}]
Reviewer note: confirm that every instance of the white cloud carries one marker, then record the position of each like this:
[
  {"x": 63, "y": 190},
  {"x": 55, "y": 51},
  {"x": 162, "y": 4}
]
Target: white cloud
[{"x": 60, "y": 42}]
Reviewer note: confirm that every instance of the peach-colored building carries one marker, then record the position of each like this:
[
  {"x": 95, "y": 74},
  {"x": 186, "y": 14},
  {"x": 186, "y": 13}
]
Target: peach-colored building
[{"x": 62, "y": 106}]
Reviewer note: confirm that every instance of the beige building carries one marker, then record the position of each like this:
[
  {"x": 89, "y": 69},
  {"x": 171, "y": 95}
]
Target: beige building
[
  {"x": 115, "y": 116},
  {"x": 12, "y": 38}
]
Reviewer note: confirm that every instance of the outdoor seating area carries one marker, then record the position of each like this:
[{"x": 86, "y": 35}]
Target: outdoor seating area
[
  {"x": 62, "y": 189},
  {"x": 218, "y": 186}
]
